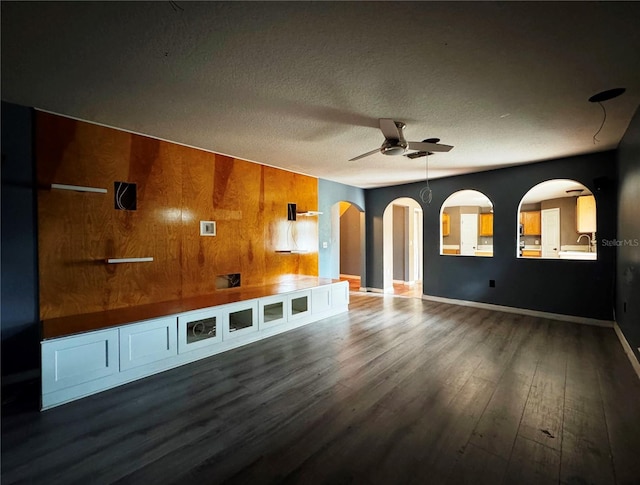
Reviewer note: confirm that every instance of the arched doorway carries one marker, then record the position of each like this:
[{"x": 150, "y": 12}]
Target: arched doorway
[
  {"x": 402, "y": 247},
  {"x": 348, "y": 240}
]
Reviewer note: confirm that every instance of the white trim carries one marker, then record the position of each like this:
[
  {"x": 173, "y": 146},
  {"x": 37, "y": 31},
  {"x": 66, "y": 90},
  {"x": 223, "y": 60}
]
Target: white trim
[
  {"x": 627, "y": 349},
  {"x": 523, "y": 311},
  {"x": 78, "y": 188}
]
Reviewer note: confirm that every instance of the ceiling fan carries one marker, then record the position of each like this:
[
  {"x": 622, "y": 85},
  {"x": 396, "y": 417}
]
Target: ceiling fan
[{"x": 396, "y": 144}]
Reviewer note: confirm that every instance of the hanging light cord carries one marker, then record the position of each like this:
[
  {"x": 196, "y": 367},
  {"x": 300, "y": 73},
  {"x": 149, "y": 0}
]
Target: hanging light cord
[
  {"x": 604, "y": 118},
  {"x": 426, "y": 194}
]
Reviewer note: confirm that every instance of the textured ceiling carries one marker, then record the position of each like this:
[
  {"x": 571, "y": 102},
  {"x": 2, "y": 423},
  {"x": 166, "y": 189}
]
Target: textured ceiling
[{"x": 301, "y": 85}]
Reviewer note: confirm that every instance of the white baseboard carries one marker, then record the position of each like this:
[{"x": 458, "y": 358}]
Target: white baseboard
[
  {"x": 523, "y": 311},
  {"x": 627, "y": 349}
]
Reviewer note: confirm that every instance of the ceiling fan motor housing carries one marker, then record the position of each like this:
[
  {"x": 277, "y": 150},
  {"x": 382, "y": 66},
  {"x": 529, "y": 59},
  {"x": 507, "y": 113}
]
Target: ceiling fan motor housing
[{"x": 393, "y": 146}]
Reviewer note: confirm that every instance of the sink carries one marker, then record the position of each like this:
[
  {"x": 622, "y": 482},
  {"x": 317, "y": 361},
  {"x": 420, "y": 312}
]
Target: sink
[{"x": 577, "y": 255}]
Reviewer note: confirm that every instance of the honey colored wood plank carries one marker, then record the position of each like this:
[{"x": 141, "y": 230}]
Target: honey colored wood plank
[
  {"x": 176, "y": 188},
  {"x": 68, "y": 325}
]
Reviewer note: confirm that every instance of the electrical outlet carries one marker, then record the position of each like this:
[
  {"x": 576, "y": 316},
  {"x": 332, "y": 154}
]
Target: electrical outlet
[
  {"x": 207, "y": 228},
  {"x": 325, "y": 245},
  {"x": 492, "y": 283}
]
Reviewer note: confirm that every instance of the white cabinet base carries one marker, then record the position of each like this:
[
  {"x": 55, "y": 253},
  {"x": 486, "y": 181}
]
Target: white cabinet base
[
  {"x": 144, "y": 343},
  {"x": 81, "y": 365}
]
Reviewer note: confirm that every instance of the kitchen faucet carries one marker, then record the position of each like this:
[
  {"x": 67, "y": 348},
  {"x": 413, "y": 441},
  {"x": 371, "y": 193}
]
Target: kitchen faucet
[{"x": 588, "y": 239}]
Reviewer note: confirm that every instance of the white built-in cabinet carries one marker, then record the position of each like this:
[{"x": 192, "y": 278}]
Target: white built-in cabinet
[
  {"x": 73, "y": 361},
  {"x": 272, "y": 311},
  {"x": 80, "y": 365},
  {"x": 199, "y": 329},
  {"x": 148, "y": 342},
  {"x": 241, "y": 320}
]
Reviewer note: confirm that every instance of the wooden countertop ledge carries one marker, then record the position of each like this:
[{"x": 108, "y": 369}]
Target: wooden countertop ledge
[{"x": 86, "y": 322}]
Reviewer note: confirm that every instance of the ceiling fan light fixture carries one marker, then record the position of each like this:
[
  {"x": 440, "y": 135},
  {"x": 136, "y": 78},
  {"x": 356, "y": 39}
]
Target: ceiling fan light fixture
[{"x": 393, "y": 150}]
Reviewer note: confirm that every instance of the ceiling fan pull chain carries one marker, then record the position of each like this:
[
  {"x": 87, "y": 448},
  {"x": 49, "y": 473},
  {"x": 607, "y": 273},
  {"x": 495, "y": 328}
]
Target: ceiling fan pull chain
[{"x": 426, "y": 194}]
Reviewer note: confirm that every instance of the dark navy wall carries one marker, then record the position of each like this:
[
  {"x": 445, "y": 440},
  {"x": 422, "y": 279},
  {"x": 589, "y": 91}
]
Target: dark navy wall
[
  {"x": 580, "y": 288},
  {"x": 628, "y": 261},
  {"x": 19, "y": 271}
]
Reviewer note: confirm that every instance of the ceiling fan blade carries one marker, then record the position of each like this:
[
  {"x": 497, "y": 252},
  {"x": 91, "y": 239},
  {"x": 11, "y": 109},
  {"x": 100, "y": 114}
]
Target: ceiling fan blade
[
  {"x": 389, "y": 129},
  {"x": 365, "y": 155},
  {"x": 428, "y": 147}
]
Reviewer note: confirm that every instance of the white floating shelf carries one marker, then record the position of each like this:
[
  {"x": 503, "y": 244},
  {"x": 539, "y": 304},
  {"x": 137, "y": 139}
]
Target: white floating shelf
[
  {"x": 292, "y": 251},
  {"x": 309, "y": 213},
  {"x": 129, "y": 260},
  {"x": 78, "y": 188}
]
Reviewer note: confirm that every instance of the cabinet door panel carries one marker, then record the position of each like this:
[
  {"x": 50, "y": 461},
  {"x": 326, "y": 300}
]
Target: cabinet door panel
[
  {"x": 299, "y": 305},
  {"x": 198, "y": 330},
  {"x": 240, "y": 319},
  {"x": 272, "y": 311},
  {"x": 75, "y": 360},
  {"x": 532, "y": 223},
  {"x": 321, "y": 299},
  {"x": 147, "y": 342},
  {"x": 486, "y": 224},
  {"x": 340, "y": 294}
]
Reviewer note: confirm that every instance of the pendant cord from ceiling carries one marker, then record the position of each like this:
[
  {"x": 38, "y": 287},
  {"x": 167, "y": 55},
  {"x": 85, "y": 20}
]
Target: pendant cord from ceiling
[
  {"x": 426, "y": 194},
  {"x": 604, "y": 118}
]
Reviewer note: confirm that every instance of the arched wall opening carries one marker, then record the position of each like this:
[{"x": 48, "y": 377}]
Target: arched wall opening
[
  {"x": 402, "y": 245},
  {"x": 348, "y": 242}
]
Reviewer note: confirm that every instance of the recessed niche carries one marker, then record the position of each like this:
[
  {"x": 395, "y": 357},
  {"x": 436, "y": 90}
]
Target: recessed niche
[
  {"x": 291, "y": 212},
  {"x": 124, "y": 197},
  {"x": 201, "y": 330},
  {"x": 274, "y": 311},
  {"x": 299, "y": 305},
  {"x": 231, "y": 280}
]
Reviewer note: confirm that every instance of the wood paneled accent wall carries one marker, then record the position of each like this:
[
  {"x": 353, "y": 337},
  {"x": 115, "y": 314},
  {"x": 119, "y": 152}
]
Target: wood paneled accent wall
[{"x": 177, "y": 187}]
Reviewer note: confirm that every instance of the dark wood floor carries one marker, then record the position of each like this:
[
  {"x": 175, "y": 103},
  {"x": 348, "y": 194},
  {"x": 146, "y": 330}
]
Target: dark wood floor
[{"x": 397, "y": 391}]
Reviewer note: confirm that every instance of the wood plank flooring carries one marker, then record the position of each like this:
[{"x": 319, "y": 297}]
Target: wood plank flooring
[{"x": 397, "y": 391}]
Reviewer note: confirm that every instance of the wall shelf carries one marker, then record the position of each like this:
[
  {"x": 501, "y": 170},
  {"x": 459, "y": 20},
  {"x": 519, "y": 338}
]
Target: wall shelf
[
  {"x": 309, "y": 213},
  {"x": 78, "y": 188},
  {"x": 128, "y": 260}
]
